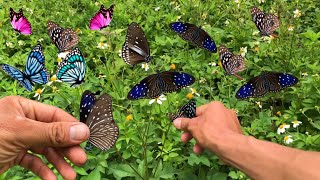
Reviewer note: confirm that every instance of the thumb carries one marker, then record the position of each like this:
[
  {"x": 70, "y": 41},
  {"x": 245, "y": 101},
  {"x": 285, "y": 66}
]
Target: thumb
[
  {"x": 182, "y": 123},
  {"x": 55, "y": 134}
]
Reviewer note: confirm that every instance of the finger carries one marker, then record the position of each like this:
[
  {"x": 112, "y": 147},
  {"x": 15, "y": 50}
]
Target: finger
[
  {"x": 58, "y": 161},
  {"x": 186, "y": 137},
  {"x": 75, "y": 154},
  {"x": 57, "y": 134},
  {"x": 197, "y": 149},
  {"x": 37, "y": 166},
  {"x": 43, "y": 112},
  {"x": 201, "y": 109},
  {"x": 182, "y": 123}
]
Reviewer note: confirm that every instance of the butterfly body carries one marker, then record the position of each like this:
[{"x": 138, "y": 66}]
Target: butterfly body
[
  {"x": 266, "y": 82},
  {"x": 266, "y": 23},
  {"x": 72, "y": 69},
  {"x": 35, "y": 71},
  {"x": 186, "y": 111},
  {"x": 195, "y": 35},
  {"x": 102, "y": 18},
  {"x": 97, "y": 114},
  {"x": 19, "y": 22},
  {"x": 135, "y": 49},
  {"x": 231, "y": 63},
  {"x": 64, "y": 39},
  {"x": 162, "y": 82}
]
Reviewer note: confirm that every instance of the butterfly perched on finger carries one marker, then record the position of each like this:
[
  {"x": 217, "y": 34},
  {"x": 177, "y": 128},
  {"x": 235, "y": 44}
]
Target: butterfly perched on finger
[
  {"x": 64, "y": 39},
  {"x": 135, "y": 49},
  {"x": 102, "y": 18},
  {"x": 231, "y": 63},
  {"x": 186, "y": 111},
  {"x": 35, "y": 71},
  {"x": 266, "y": 82},
  {"x": 266, "y": 23},
  {"x": 195, "y": 35},
  {"x": 72, "y": 69},
  {"x": 97, "y": 115},
  {"x": 19, "y": 22},
  {"x": 163, "y": 82}
]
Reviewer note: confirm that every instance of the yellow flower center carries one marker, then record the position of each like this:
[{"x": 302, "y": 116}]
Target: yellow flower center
[
  {"x": 129, "y": 117},
  {"x": 286, "y": 138},
  {"x": 189, "y": 96},
  {"x": 78, "y": 30},
  {"x": 278, "y": 113},
  {"x": 295, "y": 122},
  {"x": 53, "y": 78},
  {"x": 38, "y": 91},
  {"x": 282, "y": 126},
  {"x": 172, "y": 66},
  {"x": 193, "y": 91},
  {"x": 59, "y": 60},
  {"x": 256, "y": 49},
  {"x": 101, "y": 44}
]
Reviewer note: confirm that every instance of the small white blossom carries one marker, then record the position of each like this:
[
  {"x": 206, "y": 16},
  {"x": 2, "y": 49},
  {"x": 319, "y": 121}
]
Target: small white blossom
[
  {"x": 282, "y": 128},
  {"x": 40, "y": 40},
  {"x": 288, "y": 139},
  {"x": 304, "y": 74},
  {"x": 178, "y": 18},
  {"x": 254, "y": 33},
  {"x": 63, "y": 55},
  {"x": 38, "y": 93},
  {"x": 120, "y": 53},
  {"x": 102, "y": 45},
  {"x": 9, "y": 44},
  {"x": 267, "y": 39},
  {"x": 96, "y": 3},
  {"x": 259, "y": 104},
  {"x": 53, "y": 79},
  {"x": 296, "y": 13},
  {"x": 20, "y": 43},
  {"x": 296, "y": 123},
  {"x": 145, "y": 66},
  {"x": 177, "y": 8},
  {"x": 290, "y": 28},
  {"x": 238, "y": 2},
  {"x": 158, "y": 99},
  {"x": 212, "y": 64},
  {"x": 157, "y": 8},
  {"x": 194, "y": 92},
  {"x": 29, "y": 10},
  {"x": 227, "y": 22},
  {"x": 243, "y": 51},
  {"x": 261, "y": 1},
  {"x": 202, "y": 80}
]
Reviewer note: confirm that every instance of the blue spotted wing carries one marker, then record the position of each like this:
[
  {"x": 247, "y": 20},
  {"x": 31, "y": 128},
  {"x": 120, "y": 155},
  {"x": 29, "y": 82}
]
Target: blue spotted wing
[
  {"x": 186, "y": 111},
  {"x": 266, "y": 82},
  {"x": 195, "y": 35}
]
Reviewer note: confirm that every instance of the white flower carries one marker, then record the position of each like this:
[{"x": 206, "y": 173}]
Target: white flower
[
  {"x": 282, "y": 128},
  {"x": 202, "y": 80},
  {"x": 53, "y": 79},
  {"x": 177, "y": 8},
  {"x": 290, "y": 28},
  {"x": 178, "y": 17},
  {"x": 158, "y": 99},
  {"x": 304, "y": 74},
  {"x": 254, "y": 33},
  {"x": 194, "y": 91},
  {"x": 20, "y": 43},
  {"x": 256, "y": 43},
  {"x": 296, "y": 13},
  {"x": 145, "y": 66},
  {"x": 261, "y": 1},
  {"x": 29, "y": 10},
  {"x": 296, "y": 123},
  {"x": 243, "y": 51},
  {"x": 38, "y": 93},
  {"x": 40, "y": 40},
  {"x": 212, "y": 64},
  {"x": 120, "y": 53},
  {"x": 102, "y": 45},
  {"x": 267, "y": 38},
  {"x": 96, "y": 3},
  {"x": 9, "y": 44},
  {"x": 288, "y": 139},
  {"x": 101, "y": 76},
  {"x": 227, "y": 22},
  {"x": 259, "y": 104},
  {"x": 157, "y": 8}
]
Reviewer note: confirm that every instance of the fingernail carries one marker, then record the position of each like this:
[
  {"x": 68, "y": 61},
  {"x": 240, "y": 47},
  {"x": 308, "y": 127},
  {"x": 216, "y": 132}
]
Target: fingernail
[
  {"x": 79, "y": 132},
  {"x": 177, "y": 123}
]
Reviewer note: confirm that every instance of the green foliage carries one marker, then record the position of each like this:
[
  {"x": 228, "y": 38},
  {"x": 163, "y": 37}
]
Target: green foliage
[{"x": 147, "y": 147}]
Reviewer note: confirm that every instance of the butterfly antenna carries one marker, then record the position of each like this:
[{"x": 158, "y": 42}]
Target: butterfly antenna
[{"x": 239, "y": 77}]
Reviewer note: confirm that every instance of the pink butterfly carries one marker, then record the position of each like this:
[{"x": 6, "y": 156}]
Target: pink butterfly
[
  {"x": 19, "y": 22},
  {"x": 102, "y": 18}
]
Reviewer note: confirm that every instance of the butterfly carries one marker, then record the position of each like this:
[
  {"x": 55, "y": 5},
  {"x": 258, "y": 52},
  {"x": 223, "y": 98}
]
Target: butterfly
[
  {"x": 19, "y": 22},
  {"x": 195, "y": 35},
  {"x": 186, "y": 111},
  {"x": 266, "y": 82},
  {"x": 35, "y": 71},
  {"x": 231, "y": 63},
  {"x": 163, "y": 82},
  {"x": 72, "y": 69},
  {"x": 97, "y": 114},
  {"x": 266, "y": 23},
  {"x": 136, "y": 48},
  {"x": 64, "y": 39},
  {"x": 102, "y": 18}
]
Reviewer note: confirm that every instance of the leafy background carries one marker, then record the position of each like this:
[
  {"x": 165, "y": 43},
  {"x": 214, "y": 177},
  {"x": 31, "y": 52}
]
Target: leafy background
[{"x": 137, "y": 153}]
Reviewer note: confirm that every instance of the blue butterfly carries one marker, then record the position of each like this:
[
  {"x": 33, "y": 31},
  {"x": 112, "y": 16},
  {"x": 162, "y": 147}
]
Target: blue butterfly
[
  {"x": 72, "y": 69},
  {"x": 35, "y": 71},
  {"x": 195, "y": 35},
  {"x": 266, "y": 82},
  {"x": 162, "y": 82}
]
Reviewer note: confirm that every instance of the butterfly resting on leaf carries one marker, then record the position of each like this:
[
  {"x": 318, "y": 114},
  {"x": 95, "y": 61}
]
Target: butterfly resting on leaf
[
  {"x": 19, "y": 22},
  {"x": 267, "y": 24}
]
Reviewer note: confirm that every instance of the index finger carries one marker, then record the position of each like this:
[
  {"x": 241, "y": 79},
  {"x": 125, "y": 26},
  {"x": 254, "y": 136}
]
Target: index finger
[{"x": 43, "y": 112}]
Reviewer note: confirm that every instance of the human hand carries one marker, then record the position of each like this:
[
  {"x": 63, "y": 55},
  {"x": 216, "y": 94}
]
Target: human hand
[
  {"x": 42, "y": 129},
  {"x": 214, "y": 124}
]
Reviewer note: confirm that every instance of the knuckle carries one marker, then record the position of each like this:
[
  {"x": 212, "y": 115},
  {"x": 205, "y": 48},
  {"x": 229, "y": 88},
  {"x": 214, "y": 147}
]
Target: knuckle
[{"x": 56, "y": 133}]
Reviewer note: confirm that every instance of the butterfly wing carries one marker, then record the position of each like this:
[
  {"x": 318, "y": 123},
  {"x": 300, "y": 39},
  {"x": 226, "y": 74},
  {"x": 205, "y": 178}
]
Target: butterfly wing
[
  {"x": 231, "y": 63},
  {"x": 102, "y": 18},
  {"x": 173, "y": 81},
  {"x": 72, "y": 69},
  {"x": 104, "y": 131},
  {"x": 195, "y": 35},
  {"x": 266, "y": 23},
  {"x": 19, "y": 22},
  {"x": 278, "y": 81},
  {"x": 20, "y": 76},
  {"x": 136, "y": 48},
  {"x": 87, "y": 101},
  {"x": 187, "y": 111},
  {"x": 35, "y": 67},
  {"x": 149, "y": 87}
]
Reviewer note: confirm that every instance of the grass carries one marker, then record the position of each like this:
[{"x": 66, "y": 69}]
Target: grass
[{"x": 143, "y": 138}]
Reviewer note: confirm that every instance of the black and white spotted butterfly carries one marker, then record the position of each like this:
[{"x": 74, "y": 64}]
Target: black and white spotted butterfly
[
  {"x": 64, "y": 39},
  {"x": 186, "y": 111},
  {"x": 97, "y": 114},
  {"x": 135, "y": 49},
  {"x": 266, "y": 23}
]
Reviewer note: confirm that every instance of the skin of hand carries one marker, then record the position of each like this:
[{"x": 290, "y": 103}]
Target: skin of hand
[{"x": 28, "y": 126}]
